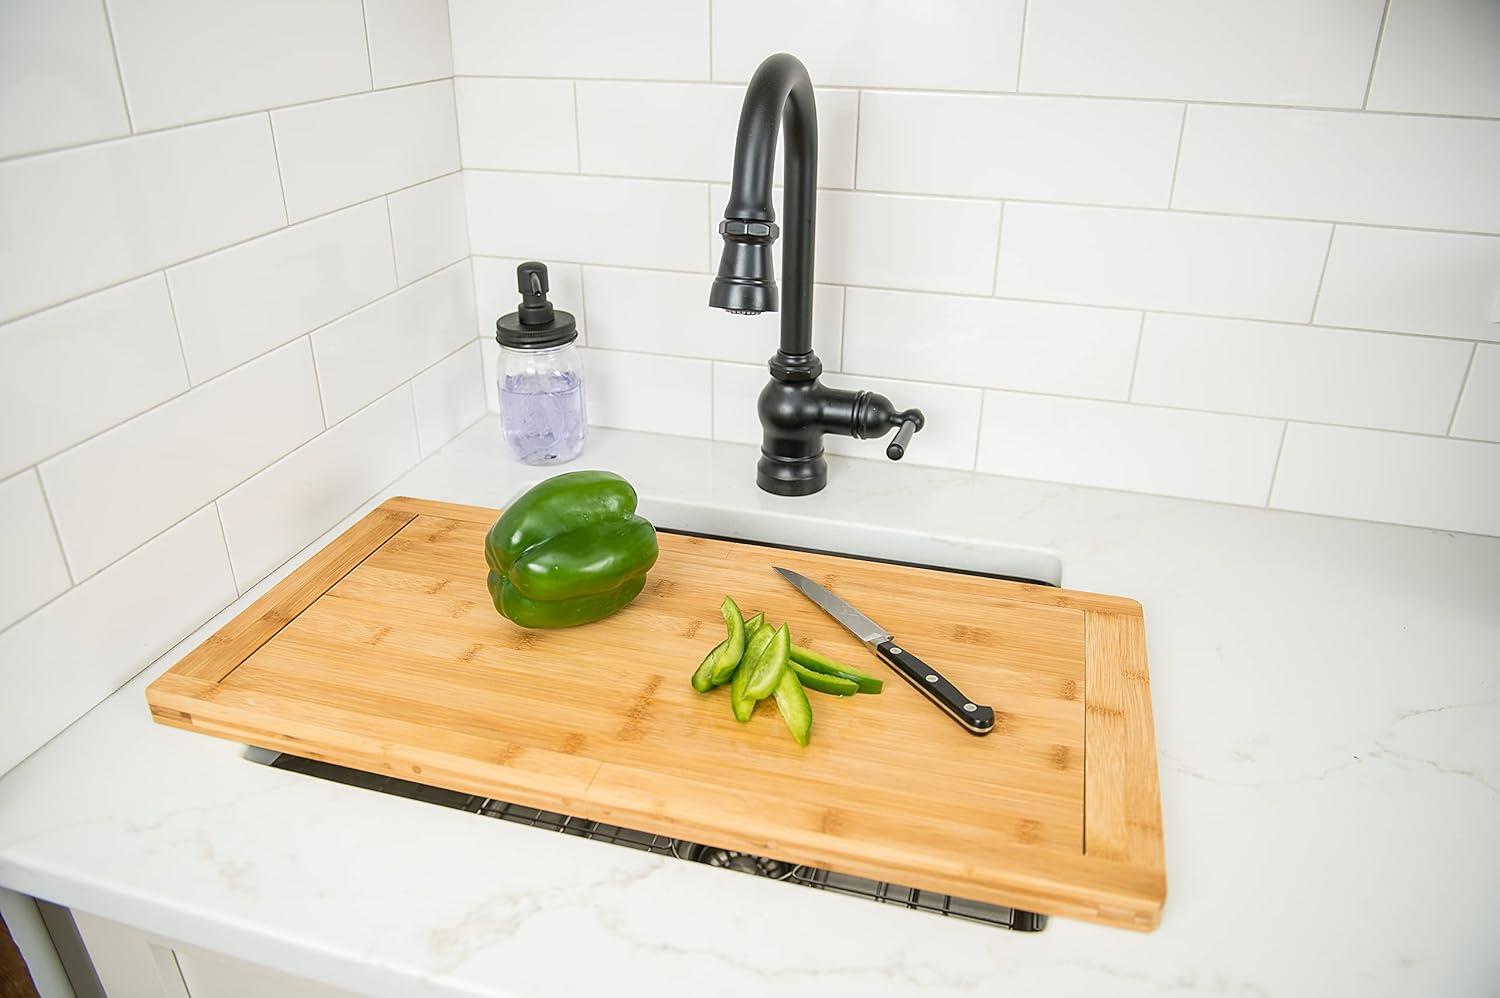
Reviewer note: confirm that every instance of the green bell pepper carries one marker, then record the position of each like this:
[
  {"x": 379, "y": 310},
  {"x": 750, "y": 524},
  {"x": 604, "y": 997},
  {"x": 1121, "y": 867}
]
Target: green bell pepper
[
  {"x": 569, "y": 551},
  {"x": 719, "y": 664}
]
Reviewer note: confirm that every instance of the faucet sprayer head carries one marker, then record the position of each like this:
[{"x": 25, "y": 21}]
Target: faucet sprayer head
[{"x": 746, "y": 284}]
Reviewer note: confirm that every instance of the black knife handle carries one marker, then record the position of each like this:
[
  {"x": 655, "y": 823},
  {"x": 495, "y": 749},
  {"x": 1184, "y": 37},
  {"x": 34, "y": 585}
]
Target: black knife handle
[{"x": 975, "y": 718}]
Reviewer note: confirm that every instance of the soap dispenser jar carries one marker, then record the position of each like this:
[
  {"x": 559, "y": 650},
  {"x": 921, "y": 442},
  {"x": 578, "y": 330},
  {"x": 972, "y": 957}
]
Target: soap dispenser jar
[{"x": 540, "y": 375}]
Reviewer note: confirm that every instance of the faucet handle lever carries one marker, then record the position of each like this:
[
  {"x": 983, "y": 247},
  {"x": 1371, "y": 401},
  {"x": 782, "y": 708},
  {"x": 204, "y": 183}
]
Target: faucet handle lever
[{"x": 907, "y": 423}]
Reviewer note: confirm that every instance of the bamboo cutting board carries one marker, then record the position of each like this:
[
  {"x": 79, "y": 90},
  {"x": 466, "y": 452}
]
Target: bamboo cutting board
[{"x": 384, "y": 653}]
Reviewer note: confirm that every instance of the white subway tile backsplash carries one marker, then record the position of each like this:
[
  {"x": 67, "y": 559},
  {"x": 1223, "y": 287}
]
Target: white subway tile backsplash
[
  {"x": 1272, "y": 52},
  {"x": 82, "y": 219},
  {"x": 1394, "y": 477},
  {"x": 1249, "y": 267},
  {"x": 1438, "y": 56},
  {"x": 1478, "y": 413},
  {"x": 662, "y": 312},
  {"x": 1025, "y": 346},
  {"x": 652, "y": 393},
  {"x": 1114, "y": 445},
  {"x": 1438, "y": 283},
  {"x": 495, "y": 291},
  {"x": 645, "y": 39},
  {"x": 687, "y": 130},
  {"x": 955, "y": 45},
  {"x": 337, "y": 152},
  {"x": 947, "y": 441},
  {"x": 189, "y": 60},
  {"x": 651, "y": 223},
  {"x": 58, "y": 84},
  {"x": 449, "y": 397},
  {"x": 241, "y": 302},
  {"x": 517, "y": 124},
  {"x": 119, "y": 489},
  {"x": 364, "y": 355},
  {"x": 926, "y": 244},
  {"x": 74, "y": 370},
  {"x": 62, "y": 660},
  {"x": 409, "y": 41},
  {"x": 1032, "y": 148},
  {"x": 281, "y": 510},
  {"x": 32, "y": 571},
  {"x": 430, "y": 227},
  {"x": 1300, "y": 372},
  {"x": 1372, "y": 168}
]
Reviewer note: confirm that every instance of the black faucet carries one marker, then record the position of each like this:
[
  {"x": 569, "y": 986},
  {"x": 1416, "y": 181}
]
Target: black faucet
[{"x": 795, "y": 408}]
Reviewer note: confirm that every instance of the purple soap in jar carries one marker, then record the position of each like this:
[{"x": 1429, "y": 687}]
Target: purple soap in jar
[{"x": 540, "y": 375}]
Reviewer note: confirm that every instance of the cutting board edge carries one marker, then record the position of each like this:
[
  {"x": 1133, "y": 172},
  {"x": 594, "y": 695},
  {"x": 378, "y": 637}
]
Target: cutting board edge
[{"x": 1094, "y": 889}]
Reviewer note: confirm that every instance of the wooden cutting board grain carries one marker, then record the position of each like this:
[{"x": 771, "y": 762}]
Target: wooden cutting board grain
[{"x": 384, "y": 653}]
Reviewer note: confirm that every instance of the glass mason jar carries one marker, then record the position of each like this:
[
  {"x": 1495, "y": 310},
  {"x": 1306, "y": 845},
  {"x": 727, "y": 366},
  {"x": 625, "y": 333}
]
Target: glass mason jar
[{"x": 540, "y": 375}]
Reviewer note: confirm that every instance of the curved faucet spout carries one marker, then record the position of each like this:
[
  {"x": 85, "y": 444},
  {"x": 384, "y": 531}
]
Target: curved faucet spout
[{"x": 780, "y": 91}]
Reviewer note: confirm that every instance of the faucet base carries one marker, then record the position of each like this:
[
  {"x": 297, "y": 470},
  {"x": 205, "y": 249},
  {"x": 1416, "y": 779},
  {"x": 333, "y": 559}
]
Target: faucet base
[{"x": 797, "y": 476}]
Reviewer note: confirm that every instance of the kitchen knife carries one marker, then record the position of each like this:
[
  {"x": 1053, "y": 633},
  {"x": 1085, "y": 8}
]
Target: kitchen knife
[{"x": 974, "y": 717}]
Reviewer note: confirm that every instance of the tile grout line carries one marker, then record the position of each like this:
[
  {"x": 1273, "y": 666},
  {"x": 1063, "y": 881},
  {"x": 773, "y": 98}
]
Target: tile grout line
[
  {"x": 390, "y": 228},
  {"x": 1004, "y": 94},
  {"x": 1135, "y": 362},
  {"x": 1276, "y": 464},
  {"x": 41, "y": 485},
  {"x": 219, "y": 249},
  {"x": 1021, "y": 45},
  {"x": 577, "y": 130},
  {"x": 234, "y": 576},
  {"x": 843, "y": 323},
  {"x": 410, "y": 384},
  {"x": 999, "y": 248},
  {"x": 859, "y": 113},
  {"x": 710, "y": 4},
  {"x": 218, "y": 119},
  {"x": 187, "y": 371},
  {"x": 978, "y": 432},
  {"x": 286, "y": 211},
  {"x": 583, "y": 304},
  {"x": 1093, "y": 399},
  {"x": 114, "y": 51},
  {"x": 364, "y": 21},
  {"x": 1000, "y": 199},
  {"x": 1385, "y": 16},
  {"x": 983, "y": 297},
  {"x": 1463, "y": 387},
  {"x": 1177, "y": 159},
  {"x": 1312, "y": 313}
]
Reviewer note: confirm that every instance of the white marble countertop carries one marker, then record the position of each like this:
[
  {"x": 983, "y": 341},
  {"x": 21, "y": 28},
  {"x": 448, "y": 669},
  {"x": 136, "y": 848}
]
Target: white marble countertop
[{"x": 1327, "y": 721}]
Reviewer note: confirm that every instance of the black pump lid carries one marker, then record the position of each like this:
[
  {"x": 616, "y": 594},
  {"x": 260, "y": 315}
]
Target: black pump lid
[{"x": 535, "y": 325}]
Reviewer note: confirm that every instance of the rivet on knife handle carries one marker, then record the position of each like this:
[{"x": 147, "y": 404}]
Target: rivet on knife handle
[{"x": 976, "y": 718}]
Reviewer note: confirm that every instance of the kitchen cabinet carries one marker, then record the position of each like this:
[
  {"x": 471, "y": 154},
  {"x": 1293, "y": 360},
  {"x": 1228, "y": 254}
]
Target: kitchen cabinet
[{"x": 131, "y": 963}]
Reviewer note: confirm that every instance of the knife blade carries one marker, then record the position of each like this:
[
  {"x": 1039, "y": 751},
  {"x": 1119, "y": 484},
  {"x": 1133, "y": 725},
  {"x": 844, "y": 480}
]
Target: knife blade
[{"x": 976, "y": 718}]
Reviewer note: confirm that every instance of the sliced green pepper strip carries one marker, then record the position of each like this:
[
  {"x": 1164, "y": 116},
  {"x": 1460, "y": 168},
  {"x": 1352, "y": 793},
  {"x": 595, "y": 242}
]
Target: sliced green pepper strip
[
  {"x": 795, "y": 710},
  {"x": 822, "y": 663},
  {"x": 728, "y": 654},
  {"x": 742, "y": 705},
  {"x": 754, "y": 623},
  {"x": 767, "y": 667},
  {"x": 703, "y": 678},
  {"x": 822, "y": 682}
]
